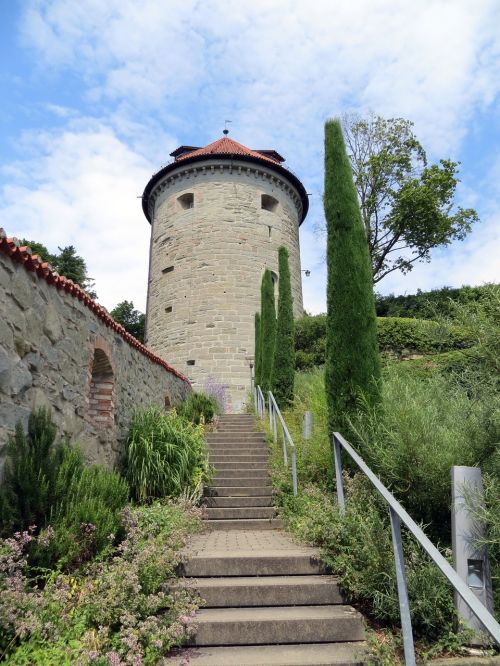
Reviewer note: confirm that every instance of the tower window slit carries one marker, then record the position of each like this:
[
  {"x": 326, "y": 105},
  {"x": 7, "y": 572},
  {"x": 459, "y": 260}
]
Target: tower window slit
[
  {"x": 267, "y": 202},
  {"x": 168, "y": 269},
  {"x": 186, "y": 200}
]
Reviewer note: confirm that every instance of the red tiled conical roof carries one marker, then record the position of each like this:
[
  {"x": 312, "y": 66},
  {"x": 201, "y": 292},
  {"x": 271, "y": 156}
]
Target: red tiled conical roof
[
  {"x": 225, "y": 149},
  {"x": 227, "y": 146}
]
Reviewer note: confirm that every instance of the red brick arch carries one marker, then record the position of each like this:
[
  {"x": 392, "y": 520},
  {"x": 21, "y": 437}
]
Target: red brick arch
[{"x": 101, "y": 387}]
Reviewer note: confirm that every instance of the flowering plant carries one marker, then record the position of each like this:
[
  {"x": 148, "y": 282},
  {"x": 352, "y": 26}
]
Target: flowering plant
[{"x": 128, "y": 609}]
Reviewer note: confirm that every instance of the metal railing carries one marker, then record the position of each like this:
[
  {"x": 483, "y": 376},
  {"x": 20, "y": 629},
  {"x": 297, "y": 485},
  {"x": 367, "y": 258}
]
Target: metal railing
[
  {"x": 398, "y": 515},
  {"x": 260, "y": 403},
  {"x": 276, "y": 416}
]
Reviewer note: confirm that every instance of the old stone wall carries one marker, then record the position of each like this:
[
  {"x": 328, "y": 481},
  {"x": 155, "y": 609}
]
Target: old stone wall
[
  {"x": 58, "y": 348},
  {"x": 208, "y": 254}
]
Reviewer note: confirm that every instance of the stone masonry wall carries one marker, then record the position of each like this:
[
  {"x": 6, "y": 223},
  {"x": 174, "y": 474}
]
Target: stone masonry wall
[
  {"x": 206, "y": 267},
  {"x": 58, "y": 348}
]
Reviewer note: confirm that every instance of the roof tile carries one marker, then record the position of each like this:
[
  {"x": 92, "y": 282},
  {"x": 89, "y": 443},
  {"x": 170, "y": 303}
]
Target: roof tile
[{"x": 226, "y": 146}]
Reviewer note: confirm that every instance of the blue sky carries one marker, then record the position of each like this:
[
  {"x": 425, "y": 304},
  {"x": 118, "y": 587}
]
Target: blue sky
[{"x": 95, "y": 95}]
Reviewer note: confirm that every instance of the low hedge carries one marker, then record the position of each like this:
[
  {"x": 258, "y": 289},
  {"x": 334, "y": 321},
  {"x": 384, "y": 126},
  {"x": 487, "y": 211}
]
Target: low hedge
[
  {"x": 419, "y": 335},
  {"x": 395, "y": 335}
]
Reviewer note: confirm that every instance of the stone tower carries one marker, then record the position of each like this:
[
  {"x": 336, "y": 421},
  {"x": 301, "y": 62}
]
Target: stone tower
[{"x": 218, "y": 216}]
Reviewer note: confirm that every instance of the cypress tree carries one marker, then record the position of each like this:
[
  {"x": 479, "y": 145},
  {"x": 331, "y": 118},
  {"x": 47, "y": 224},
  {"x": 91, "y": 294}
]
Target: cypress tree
[
  {"x": 284, "y": 353},
  {"x": 258, "y": 351},
  {"x": 352, "y": 362},
  {"x": 267, "y": 330}
]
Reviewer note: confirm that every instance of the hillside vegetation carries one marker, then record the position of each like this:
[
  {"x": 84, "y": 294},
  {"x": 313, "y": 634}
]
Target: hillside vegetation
[{"x": 436, "y": 411}]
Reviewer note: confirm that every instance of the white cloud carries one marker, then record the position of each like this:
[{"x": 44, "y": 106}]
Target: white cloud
[
  {"x": 277, "y": 68},
  {"x": 81, "y": 190}
]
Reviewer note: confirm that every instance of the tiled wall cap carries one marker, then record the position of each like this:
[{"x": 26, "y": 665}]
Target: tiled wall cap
[{"x": 33, "y": 262}]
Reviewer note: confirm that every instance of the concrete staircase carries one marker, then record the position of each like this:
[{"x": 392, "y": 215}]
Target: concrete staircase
[
  {"x": 268, "y": 600},
  {"x": 241, "y": 494}
]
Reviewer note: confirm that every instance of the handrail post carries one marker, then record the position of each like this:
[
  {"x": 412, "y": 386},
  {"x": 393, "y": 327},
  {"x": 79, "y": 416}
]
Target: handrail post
[
  {"x": 337, "y": 457},
  {"x": 275, "y": 429},
  {"x": 285, "y": 452},
  {"x": 270, "y": 410},
  {"x": 404, "y": 603},
  {"x": 294, "y": 471}
]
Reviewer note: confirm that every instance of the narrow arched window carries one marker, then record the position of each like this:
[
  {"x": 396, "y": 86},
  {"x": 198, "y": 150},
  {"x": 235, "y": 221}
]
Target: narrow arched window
[
  {"x": 186, "y": 200},
  {"x": 102, "y": 380}
]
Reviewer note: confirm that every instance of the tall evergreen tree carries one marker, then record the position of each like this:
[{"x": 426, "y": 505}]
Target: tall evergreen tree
[
  {"x": 284, "y": 353},
  {"x": 258, "y": 352},
  {"x": 352, "y": 361},
  {"x": 268, "y": 330}
]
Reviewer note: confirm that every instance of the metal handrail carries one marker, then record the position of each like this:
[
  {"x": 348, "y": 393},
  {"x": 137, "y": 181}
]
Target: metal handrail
[
  {"x": 274, "y": 410},
  {"x": 398, "y": 515},
  {"x": 260, "y": 402}
]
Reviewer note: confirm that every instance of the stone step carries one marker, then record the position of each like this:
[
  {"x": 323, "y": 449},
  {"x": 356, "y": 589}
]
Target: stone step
[
  {"x": 312, "y": 654},
  {"x": 222, "y": 502},
  {"x": 288, "y": 562},
  {"x": 224, "y": 465},
  {"x": 236, "y": 423},
  {"x": 251, "y": 426},
  {"x": 246, "y": 524},
  {"x": 239, "y": 513},
  {"x": 254, "y": 449},
  {"x": 239, "y": 472},
  {"x": 242, "y": 481},
  {"x": 262, "y": 490},
  {"x": 228, "y": 436},
  {"x": 278, "y": 624},
  {"x": 268, "y": 591},
  {"x": 218, "y": 458},
  {"x": 223, "y": 418}
]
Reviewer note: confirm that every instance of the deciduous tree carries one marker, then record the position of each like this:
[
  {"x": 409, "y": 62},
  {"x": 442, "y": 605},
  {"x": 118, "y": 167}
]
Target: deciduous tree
[
  {"x": 131, "y": 319},
  {"x": 407, "y": 205}
]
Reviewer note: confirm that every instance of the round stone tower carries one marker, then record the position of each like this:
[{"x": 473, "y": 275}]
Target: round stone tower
[{"x": 218, "y": 216}]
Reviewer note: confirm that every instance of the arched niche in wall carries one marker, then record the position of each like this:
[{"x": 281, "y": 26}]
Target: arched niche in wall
[
  {"x": 166, "y": 402},
  {"x": 102, "y": 381}
]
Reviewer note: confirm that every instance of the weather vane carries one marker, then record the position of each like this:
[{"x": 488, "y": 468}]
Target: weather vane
[{"x": 225, "y": 130}]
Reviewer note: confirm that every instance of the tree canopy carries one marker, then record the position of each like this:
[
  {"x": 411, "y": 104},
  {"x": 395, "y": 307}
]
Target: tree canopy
[
  {"x": 67, "y": 262},
  {"x": 406, "y": 204},
  {"x": 131, "y": 319}
]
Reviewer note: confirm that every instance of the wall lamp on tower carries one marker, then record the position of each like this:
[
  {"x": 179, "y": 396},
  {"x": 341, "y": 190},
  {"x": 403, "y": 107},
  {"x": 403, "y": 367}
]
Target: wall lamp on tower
[{"x": 307, "y": 272}]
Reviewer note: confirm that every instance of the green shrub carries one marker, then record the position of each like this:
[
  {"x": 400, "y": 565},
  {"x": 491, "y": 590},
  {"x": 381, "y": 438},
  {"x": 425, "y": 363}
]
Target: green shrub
[
  {"x": 358, "y": 549},
  {"x": 166, "y": 454},
  {"x": 199, "y": 408},
  {"x": 419, "y": 335},
  {"x": 425, "y": 426},
  {"x": 428, "y": 304},
  {"x": 29, "y": 474},
  {"x": 86, "y": 521},
  {"x": 127, "y": 608},
  {"x": 310, "y": 338},
  {"x": 395, "y": 334}
]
